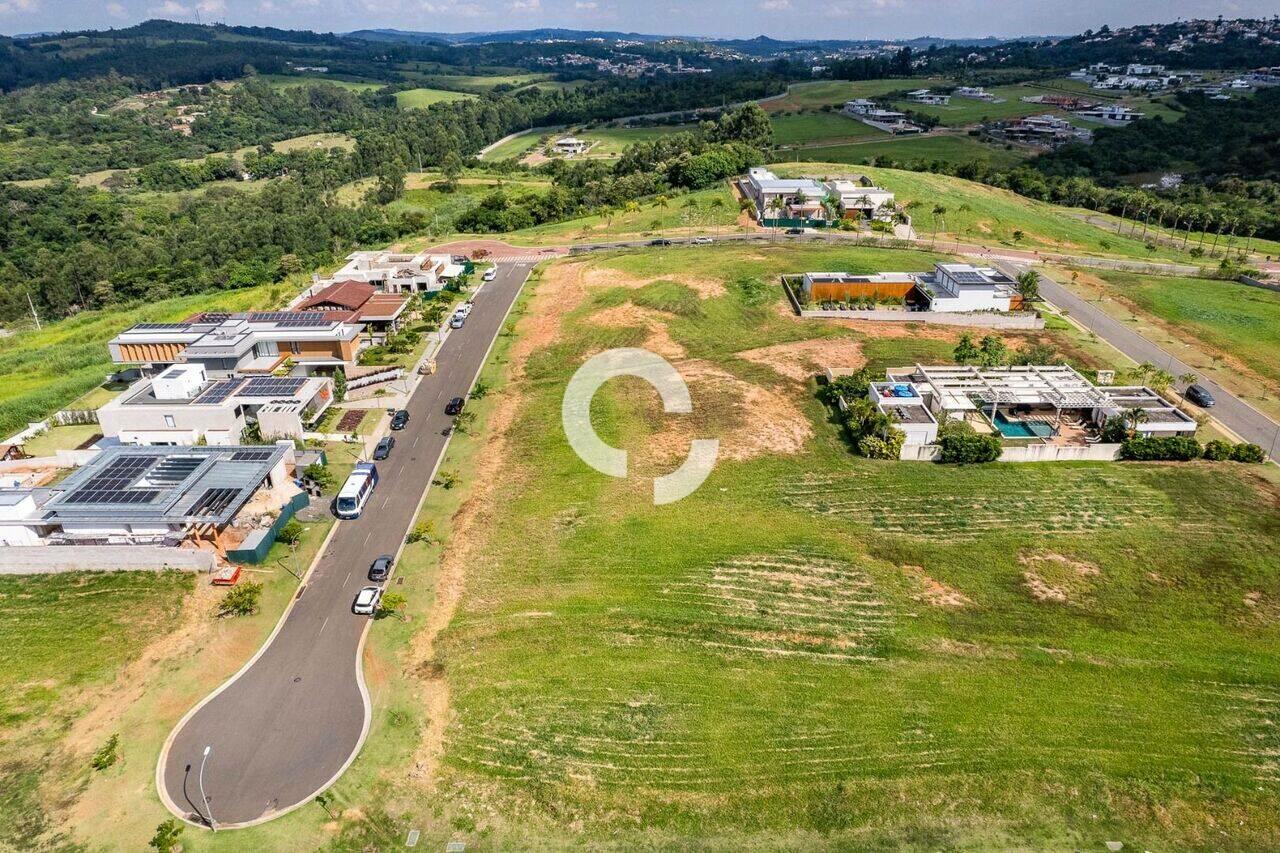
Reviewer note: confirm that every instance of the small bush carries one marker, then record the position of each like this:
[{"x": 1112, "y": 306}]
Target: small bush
[
  {"x": 1218, "y": 450},
  {"x": 423, "y": 531},
  {"x": 391, "y": 604},
  {"x": 875, "y": 447},
  {"x": 241, "y": 600},
  {"x": 1246, "y": 452},
  {"x": 320, "y": 475},
  {"x": 291, "y": 533},
  {"x": 166, "y": 838},
  {"x": 107, "y": 755}
]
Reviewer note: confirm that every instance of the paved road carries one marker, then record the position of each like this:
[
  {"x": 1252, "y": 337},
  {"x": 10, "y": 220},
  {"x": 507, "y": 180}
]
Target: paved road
[
  {"x": 286, "y": 727},
  {"x": 1237, "y": 415}
]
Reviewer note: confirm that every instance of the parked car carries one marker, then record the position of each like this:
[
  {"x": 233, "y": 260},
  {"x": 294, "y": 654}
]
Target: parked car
[
  {"x": 1200, "y": 395},
  {"x": 490, "y": 274},
  {"x": 794, "y": 231},
  {"x": 703, "y": 241},
  {"x": 367, "y": 599},
  {"x": 457, "y": 321},
  {"x": 661, "y": 241},
  {"x": 380, "y": 570},
  {"x": 454, "y": 406},
  {"x": 465, "y": 308},
  {"x": 400, "y": 419},
  {"x": 383, "y": 450}
]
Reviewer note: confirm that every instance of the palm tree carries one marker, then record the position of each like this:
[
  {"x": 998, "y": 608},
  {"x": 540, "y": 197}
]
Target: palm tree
[
  {"x": 1186, "y": 379},
  {"x": 1134, "y": 416}
]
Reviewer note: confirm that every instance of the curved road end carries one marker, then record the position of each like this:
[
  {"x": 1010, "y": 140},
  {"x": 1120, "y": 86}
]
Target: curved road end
[{"x": 290, "y": 722}]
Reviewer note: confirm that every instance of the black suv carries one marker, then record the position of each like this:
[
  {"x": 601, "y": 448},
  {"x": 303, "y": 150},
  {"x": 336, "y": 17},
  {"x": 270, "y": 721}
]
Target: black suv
[
  {"x": 1200, "y": 395},
  {"x": 381, "y": 568},
  {"x": 383, "y": 450},
  {"x": 661, "y": 241},
  {"x": 400, "y": 419},
  {"x": 454, "y": 406}
]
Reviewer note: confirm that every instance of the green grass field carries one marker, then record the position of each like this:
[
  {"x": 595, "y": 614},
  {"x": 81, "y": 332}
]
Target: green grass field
[
  {"x": 820, "y": 93},
  {"x": 831, "y": 127},
  {"x": 904, "y": 149},
  {"x": 705, "y": 211},
  {"x": 479, "y": 84},
  {"x": 610, "y": 141},
  {"x": 59, "y": 635},
  {"x": 516, "y": 146},
  {"x": 285, "y": 81},
  {"x": 48, "y": 369},
  {"x": 821, "y": 650},
  {"x": 1230, "y": 318},
  {"x": 423, "y": 98}
]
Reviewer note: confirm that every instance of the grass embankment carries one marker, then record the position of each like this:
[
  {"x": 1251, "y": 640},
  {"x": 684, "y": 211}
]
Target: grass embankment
[
  {"x": 610, "y": 141},
  {"x": 817, "y": 646},
  {"x": 46, "y": 370},
  {"x": 1226, "y": 330},
  {"x": 423, "y": 98},
  {"x": 831, "y": 128},
  {"x": 820, "y": 93},
  {"x": 983, "y": 215},
  {"x": 908, "y": 150},
  {"x": 62, "y": 637},
  {"x": 713, "y": 211},
  {"x": 517, "y": 146}
]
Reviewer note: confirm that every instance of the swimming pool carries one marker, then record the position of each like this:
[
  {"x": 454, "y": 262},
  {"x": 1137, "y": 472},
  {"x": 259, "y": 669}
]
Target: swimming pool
[{"x": 1021, "y": 429}]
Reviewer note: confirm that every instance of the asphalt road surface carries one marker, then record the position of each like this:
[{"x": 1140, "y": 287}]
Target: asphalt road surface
[
  {"x": 1237, "y": 415},
  {"x": 286, "y": 727}
]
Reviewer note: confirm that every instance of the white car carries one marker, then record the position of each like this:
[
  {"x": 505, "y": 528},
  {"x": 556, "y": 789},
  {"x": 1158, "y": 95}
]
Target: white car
[
  {"x": 702, "y": 241},
  {"x": 367, "y": 600},
  {"x": 490, "y": 274},
  {"x": 464, "y": 309},
  {"x": 457, "y": 321}
]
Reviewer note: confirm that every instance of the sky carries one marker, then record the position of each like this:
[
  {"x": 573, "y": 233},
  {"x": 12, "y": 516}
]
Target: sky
[{"x": 842, "y": 19}]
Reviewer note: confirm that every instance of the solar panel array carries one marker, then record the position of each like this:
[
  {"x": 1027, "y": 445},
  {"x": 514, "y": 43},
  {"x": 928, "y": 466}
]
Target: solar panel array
[
  {"x": 111, "y": 485},
  {"x": 272, "y": 386},
  {"x": 174, "y": 470},
  {"x": 159, "y": 326},
  {"x": 213, "y": 502},
  {"x": 219, "y": 391},
  {"x": 969, "y": 277},
  {"x": 291, "y": 319},
  {"x": 252, "y": 455}
]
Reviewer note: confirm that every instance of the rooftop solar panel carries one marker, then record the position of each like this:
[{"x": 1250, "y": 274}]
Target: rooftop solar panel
[
  {"x": 174, "y": 470},
  {"x": 252, "y": 455},
  {"x": 213, "y": 502},
  {"x": 270, "y": 386},
  {"x": 219, "y": 391},
  {"x": 159, "y": 326}
]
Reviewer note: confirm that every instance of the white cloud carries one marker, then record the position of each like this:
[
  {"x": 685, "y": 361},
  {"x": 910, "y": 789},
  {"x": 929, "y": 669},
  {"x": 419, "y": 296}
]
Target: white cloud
[
  {"x": 212, "y": 7},
  {"x": 526, "y": 6},
  {"x": 116, "y": 10},
  {"x": 170, "y": 9},
  {"x": 455, "y": 10},
  {"x": 586, "y": 5},
  {"x": 12, "y": 7},
  {"x": 775, "y": 5}
]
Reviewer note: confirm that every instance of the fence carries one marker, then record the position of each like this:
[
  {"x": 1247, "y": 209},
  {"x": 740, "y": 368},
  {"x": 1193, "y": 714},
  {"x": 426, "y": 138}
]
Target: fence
[
  {"x": 1024, "y": 453},
  {"x": 255, "y": 546},
  {"x": 56, "y": 559},
  {"x": 939, "y": 318},
  {"x": 782, "y": 222}
]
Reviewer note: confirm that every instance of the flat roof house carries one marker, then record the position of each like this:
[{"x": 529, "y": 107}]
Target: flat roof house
[
  {"x": 149, "y": 496},
  {"x": 245, "y": 342},
  {"x": 784, "y": 198},
  {"x": 1114, "y": 115},
  {"x": 962, "y": 287},
  {"x": 858, "y": 199},
  {"x": 397, "y": 272},
  {"x": 570, "y": 145},
  {"x": 182, "y": 405},
  {"x": 975, "y": 92},
  {"x": 928, "y": 98},
  {"x": 841, "y": 286}
]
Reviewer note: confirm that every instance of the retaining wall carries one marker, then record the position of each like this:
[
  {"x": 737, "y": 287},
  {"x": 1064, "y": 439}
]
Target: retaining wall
[
  {"x": 56, "y": 559},
  {"x": 1265, "y": 285},
  {"x": 1024, "y": 453},
  {"x": 937, "y": 318}
]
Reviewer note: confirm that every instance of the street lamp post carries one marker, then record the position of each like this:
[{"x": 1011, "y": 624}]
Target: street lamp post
[{"x": 207, "y": 812}]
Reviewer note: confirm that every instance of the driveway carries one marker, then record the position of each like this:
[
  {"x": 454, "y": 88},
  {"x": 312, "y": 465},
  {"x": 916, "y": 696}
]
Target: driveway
[
  {"x": 290, "y": 722},
  {"x": 1237, "y": 415}
]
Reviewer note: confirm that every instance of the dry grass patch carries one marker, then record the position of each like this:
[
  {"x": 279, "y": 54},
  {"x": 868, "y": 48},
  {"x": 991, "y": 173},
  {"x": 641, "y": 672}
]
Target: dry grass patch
[
  {"x": 1053, "y": 577},
  {"x": 801, "y": 360},
  {"x": 654, "y": 322},
  {"x": 932, "y": 592}
]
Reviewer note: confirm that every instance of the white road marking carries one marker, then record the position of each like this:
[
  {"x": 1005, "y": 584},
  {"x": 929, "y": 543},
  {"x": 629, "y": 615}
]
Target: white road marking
[
  {"x": 366, "y": 537},
  {"x": 415, "y": 440},
  {"x": 387, "y": 500},
  {"x": 322, "y": 624},
  {"x": 347, "y": 578}
]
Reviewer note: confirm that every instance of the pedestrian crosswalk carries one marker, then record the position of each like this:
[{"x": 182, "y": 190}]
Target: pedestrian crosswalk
[{"x": 523, "y": 259}]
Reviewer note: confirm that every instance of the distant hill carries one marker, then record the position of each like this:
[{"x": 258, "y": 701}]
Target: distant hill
[{"x": 499, "y": 36}]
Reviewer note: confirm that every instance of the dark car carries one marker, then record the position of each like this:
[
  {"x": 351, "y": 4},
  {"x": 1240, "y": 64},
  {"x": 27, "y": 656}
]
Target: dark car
[
  {"x": 400, "y": 419},
  {"x": 454, "y": 406},
  {"x": 381, "y": 568},
  {"x": 661, "y": 241},
  {"x": 795, "y": 231},
  {"x": 1200, "y": 395},
  {"x": 383, "y": 450}
]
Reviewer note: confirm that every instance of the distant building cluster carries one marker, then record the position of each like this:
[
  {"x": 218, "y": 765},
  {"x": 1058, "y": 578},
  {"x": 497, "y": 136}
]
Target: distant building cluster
[{"x": 622, "y": 65}]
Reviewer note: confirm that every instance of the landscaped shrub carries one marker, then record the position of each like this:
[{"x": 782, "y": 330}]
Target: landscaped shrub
[
  {"x": 1163, "y": 448},
  {"x": 875, "y": 447},
  {"x": 851, "y": 387},
  {"x": 1114, "y": 430},
  {"x": 968, "y": 448},
  {"x": 320, "y": 475},
  {"x": 241, "y": 600},
  {"x": 1218, "y": 450},
  {"x": 107, "y": 755},
  {"x": 291, "y": 533},
  {"x": 1246, "y": 452}
]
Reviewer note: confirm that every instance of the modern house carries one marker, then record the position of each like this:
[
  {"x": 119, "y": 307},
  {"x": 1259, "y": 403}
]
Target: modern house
[
  {"x": 928, "y": 98},
  {"x": 1114, "y": 115},
  {"x": 152, "y": 496},
  {"x": 247, "y": 342},
  {"x": 182, "y": 405},
  {"x": 396, "y": 272},
  {"x": 905, "y": 406},
  {"x": 975, "y": 92},
  {"x": 1047, "y": 131},
  {"x": 1048, "y": 403},
  {"x": 570, "y": 145},
  {"x": 860, "y": 198},
  {"x": 784, "y": 198},
  {"x": 890, "y": 121},
  {"x": 950, "y": 288},
  {"x": 381, "y": 314}
]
